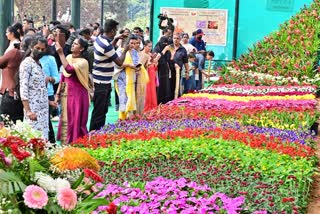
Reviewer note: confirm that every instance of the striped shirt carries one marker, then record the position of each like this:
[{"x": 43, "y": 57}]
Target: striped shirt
[{"x": 103, "y": 65}]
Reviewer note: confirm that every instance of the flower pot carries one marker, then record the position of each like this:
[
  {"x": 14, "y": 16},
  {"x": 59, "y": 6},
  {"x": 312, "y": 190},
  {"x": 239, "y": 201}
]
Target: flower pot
[{"x": 314, "y": 128}]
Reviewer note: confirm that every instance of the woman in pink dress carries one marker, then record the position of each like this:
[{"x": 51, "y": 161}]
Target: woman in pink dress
[
  {"x": 152, "y": 68},
  {"x": 73, "y": 92}
]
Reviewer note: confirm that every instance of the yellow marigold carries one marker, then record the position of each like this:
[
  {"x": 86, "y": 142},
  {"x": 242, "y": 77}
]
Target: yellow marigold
[{"x": 74, "y": 158}]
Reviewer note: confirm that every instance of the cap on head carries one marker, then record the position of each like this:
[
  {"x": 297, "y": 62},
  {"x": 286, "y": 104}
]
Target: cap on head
[{"x": 199, "y": 32}]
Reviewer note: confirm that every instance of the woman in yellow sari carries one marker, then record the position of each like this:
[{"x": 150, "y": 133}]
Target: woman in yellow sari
[
  {"x": 132, "y": 76},
  {"x": 74, "y": 92}
]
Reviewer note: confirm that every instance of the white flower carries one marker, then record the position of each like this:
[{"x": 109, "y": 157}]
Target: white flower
[
  {"x": 45, "y": 181},
  {"x": 61, "y": 183}
]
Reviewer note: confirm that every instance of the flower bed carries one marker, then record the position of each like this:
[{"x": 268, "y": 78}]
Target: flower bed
[
  {"x": 240, "y": 90},
  {"x": 218, "y": 163},
  {"x": 258, "y": 147},
  {"x": 287, "y": 56},
  {"x": 199, "y": 153},
  {"x": 170, "y": 196}
]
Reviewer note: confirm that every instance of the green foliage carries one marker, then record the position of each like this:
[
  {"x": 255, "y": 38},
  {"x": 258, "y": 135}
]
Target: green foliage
[
  {"x": 90, "y": 203},
  {"x": 35, "y": 166},
  {"x": 290, "y": 52},
  {"x": 142, "y": 22},
  {"x": 10, "y": 183},
  {"x": 78, "y": 181}
]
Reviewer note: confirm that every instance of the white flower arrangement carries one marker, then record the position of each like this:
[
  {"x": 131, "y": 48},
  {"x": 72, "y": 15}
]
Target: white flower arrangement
[
  {"x": 259, "y": 90},
  {"x": 45, "y": 181},
  {"x": 50, "y": 184}
]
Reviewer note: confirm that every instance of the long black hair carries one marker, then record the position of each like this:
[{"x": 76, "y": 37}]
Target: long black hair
[
  {"x": 19, "y": 28},
  {"x": 15, "y": 32},
  {"x": 84, "y": 54},
  {"x": 26, "y": 51}
]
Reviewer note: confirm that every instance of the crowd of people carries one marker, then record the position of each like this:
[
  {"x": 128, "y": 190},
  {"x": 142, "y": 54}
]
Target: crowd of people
[{"x": 58, "y": 70}]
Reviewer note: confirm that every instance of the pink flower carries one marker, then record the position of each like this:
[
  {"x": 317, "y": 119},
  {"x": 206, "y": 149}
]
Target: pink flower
[
  {"x": 35, "y": 197},
  {"x": 67, "y": 198}
]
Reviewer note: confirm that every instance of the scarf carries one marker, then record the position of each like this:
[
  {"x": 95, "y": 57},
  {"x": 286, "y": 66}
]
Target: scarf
[
  {"x": 130, "y": 82},
  {"x": 81, "y": 68}
]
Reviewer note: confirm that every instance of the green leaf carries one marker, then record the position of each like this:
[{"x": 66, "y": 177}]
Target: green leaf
[
  {"x": 10, "y": 183},
  {"x": 53, "y": 208},
  {"x": 35, "y": 166},
  {"x": 89, "y": 205},
  {"x": 78, "y": 181}
]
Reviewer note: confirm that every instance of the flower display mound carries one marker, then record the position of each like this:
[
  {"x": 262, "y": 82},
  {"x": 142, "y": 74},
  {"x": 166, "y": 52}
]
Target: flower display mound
[
  {"x": 260, "y": 191},
  {"x": 187, "y": 128},
  {"x": 289, "y": 118},
  {"x": 267, "y": 179},
  {"x": 289, "y": 53},
  {"x": 163, "y": 195},
  {"x": 253, "y": 140}
]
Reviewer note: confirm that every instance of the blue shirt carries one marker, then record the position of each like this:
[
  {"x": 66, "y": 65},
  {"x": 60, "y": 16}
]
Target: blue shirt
[
  {"x": 200, "y": 45},
  {"x": 103, "y": 66},
  {"x": 49, "y": 66}
]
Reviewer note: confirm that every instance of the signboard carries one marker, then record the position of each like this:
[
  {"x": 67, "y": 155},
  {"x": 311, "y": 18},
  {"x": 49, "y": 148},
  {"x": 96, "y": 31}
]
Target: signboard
[
  {"x": 213, "y": 22},
  {"x": 280, "y": 5}
]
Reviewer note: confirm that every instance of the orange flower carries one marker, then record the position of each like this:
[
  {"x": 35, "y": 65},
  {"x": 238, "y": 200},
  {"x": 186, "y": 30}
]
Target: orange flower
[{"x": 74, "y": 158}]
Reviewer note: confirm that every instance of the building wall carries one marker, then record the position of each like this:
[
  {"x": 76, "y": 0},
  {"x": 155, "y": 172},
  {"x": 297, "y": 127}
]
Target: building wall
[{"x": 256, "y": 20}]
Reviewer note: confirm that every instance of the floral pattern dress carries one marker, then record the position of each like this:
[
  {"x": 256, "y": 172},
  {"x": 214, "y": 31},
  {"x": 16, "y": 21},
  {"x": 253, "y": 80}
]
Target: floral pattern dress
[{"x": 33, "y": 88}]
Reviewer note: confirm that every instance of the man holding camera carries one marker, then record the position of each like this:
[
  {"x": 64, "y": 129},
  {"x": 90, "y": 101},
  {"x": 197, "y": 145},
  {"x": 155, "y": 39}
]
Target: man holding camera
[{"x": 103, "y": 69}]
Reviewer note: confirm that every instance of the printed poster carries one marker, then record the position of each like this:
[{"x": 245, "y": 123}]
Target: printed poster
[{"x": 213, "y": 22}]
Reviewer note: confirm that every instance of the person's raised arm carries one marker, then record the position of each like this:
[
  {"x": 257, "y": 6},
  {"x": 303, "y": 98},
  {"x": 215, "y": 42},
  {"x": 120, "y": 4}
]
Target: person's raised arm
[
  {"x": 63, "y": 59},
  {"x": 119, "y": 60}
]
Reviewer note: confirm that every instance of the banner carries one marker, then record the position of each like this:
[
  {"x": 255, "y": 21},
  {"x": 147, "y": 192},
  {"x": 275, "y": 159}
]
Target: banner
[{"x": 213, "y": 22}]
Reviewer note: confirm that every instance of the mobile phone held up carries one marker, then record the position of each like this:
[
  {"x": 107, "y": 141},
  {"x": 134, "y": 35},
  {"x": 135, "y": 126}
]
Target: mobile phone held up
[{"x": 139, "y": 65}]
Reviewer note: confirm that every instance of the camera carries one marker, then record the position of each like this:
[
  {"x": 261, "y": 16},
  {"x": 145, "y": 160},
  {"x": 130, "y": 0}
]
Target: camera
[{"x": 162, "y": 17}]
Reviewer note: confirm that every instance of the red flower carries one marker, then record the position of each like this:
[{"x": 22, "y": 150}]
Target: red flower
[
  {"x": 91, "y": 174},
  {"x": 19, "y": 154},
  {"x": 37, "y": 144},
  {"x": 285, "y": 200},
  {"x": 112, "y": 209},
  {"x": 13, "y": 140}
]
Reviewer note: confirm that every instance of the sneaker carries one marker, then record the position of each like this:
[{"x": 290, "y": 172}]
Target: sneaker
[{"x": 55, "y": 119}]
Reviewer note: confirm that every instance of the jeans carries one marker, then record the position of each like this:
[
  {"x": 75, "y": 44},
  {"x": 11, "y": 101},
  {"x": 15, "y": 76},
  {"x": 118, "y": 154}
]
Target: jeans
[
  {"x": 51, "y": 131},
  {"x": 11, "y": 107},
  {"x": 186, "y": 84},
  {"x": 100, "y": 100},
  {"x": 200, "y": 62}
]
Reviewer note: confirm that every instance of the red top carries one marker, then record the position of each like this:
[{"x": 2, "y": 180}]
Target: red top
[{"x": 10, "y": 63}]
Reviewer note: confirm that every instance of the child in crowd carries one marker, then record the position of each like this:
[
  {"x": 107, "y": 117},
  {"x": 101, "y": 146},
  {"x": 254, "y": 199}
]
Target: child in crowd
[
  {"x": 209, "y": 71},
  {"x": 187, "y": 75}
]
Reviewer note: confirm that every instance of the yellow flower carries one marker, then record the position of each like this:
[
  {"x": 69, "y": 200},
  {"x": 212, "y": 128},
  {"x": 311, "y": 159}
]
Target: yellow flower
[
  {"x": 4, "y": 132},
  {"x": 74, "y": 158}
]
